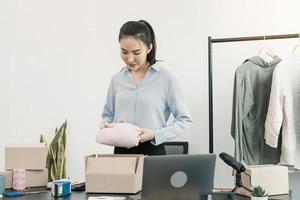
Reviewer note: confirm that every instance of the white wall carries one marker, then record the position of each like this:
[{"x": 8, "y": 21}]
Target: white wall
[
  {"x": 58, "y": 57},
  {"x": 5, "y": 60}
]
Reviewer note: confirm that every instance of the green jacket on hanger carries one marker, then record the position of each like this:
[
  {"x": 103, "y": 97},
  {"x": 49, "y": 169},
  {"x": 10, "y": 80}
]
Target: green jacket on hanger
[{"x": 251, "y": 95}]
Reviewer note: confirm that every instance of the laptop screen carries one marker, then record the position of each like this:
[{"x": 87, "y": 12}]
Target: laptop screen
[{"x": 175, "y": 177}]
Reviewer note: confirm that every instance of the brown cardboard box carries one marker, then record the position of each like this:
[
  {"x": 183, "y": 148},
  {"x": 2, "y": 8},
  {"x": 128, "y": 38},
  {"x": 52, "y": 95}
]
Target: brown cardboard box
[
  {"x": 114, "y": 173},
  {"x": 273, "y": 178},
  {"x": 33, "y": 178},
  {"x": 36, "y": 178},
  {"x": 26, "y": 156}
]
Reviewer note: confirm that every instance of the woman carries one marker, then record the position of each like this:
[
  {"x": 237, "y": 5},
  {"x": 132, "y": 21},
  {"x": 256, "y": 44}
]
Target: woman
[{"x": 144, "y": 93}]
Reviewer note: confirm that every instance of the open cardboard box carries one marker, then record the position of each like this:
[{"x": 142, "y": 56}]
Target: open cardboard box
[
  {"x": 273, "y": 178},
  {"x": 109, "y": 173}
]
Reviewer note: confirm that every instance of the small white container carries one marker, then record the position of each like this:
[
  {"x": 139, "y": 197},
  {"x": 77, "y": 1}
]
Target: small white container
[{"x": 259, "y": 198}]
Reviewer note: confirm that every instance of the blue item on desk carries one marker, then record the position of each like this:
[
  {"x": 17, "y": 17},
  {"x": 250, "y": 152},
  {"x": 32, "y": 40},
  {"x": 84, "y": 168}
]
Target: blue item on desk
[
  {"x": 61, "y": 188},
  {"x": 18, "y": 194},
  {"x": 13, "y": 194},
  {"x": 2, "y": 184}
]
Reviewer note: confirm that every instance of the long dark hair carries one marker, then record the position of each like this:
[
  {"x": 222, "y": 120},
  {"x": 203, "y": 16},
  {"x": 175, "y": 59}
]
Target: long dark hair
[{"x": 143, "y": 31}]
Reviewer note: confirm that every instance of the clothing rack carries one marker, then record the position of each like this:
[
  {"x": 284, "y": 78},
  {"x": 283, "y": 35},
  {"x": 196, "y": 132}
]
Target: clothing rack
[{"x": 211, "y": 41}]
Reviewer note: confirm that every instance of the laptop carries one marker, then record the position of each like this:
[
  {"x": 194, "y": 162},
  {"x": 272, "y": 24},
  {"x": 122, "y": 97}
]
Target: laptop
[{"x": 178, "y": 177}]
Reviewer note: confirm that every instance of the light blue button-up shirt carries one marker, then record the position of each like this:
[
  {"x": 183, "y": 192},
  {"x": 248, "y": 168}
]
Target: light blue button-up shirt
[{"x": 148, "y": 104}]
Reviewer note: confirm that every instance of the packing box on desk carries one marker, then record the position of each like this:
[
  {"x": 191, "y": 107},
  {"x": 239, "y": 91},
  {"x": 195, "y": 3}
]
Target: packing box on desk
[
  {"x": 114, "y": 173},
  {"x": 33, "y": 178},
  {"x": 273, "y": 178},
  {"x": 26, "y": 156}
]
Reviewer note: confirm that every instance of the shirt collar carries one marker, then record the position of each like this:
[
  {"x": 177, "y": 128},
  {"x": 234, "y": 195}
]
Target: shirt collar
[
  {"x": 156, "y": 66},
  {"x": 124, "y": 69},
  {"x": 261, "y": 62}
]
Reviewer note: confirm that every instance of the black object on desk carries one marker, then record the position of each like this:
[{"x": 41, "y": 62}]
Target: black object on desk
[
  {"x": 78, "y": 187},
  {"x": 238, "y": 167}
]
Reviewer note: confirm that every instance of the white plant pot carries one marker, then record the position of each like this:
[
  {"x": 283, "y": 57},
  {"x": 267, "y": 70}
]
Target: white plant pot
[{"x": 259, "y": 198}]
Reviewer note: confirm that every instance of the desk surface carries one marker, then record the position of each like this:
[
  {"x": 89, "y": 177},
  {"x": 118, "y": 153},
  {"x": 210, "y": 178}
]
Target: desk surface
[
  {"x": 73, "y": 196},
  {"x": 84, "y": 196}
]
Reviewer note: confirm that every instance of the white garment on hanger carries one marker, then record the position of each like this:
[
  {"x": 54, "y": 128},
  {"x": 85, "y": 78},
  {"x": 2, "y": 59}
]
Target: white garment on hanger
[
  {"x": 284, "y": 111},
  {"x": 296, "y": 50}
]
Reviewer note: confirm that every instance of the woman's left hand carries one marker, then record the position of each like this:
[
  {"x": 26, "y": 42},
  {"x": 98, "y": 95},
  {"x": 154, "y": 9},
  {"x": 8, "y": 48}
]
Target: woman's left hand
[{"x": 146, "y": 135}]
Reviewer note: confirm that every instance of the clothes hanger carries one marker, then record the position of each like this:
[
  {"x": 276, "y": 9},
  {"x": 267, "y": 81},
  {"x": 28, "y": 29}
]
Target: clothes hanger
[
  {"x": 296, "y": 50},
  {"x": 266, "y": 53}
]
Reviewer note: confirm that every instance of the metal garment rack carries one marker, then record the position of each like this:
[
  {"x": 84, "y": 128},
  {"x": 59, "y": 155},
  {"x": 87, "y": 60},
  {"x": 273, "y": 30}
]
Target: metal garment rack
[{"x": 211, "y": 41}]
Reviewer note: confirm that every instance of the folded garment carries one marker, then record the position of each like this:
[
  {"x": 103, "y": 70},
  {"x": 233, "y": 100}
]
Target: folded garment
[{"x": 121, "y": 135}]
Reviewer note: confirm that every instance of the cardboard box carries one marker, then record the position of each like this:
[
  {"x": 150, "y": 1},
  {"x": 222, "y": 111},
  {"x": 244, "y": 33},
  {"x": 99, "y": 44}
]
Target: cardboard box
[
  {"x": 26, "y": 156},
  {"x": 36, "y": 178},
  {"x": 273, "y": 178},
  {"x": 114, "y": 173},
  {"x": 33, "y": 178}
]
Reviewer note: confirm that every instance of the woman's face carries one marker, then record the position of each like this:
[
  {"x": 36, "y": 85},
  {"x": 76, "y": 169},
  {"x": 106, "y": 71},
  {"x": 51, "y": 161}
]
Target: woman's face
[{"x": 134, "y": 53}]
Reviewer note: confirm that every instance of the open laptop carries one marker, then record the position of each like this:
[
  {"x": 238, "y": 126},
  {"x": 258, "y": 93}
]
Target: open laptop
[{"x": 178, "y": 177}]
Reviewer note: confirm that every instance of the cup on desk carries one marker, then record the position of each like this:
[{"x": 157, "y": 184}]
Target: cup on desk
[{"x": 2, "y": 184}]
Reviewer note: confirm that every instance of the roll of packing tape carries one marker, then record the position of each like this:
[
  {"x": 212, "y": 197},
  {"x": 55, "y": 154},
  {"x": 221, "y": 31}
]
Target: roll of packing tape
[
  {"x": 19, "y": 182},
  {"x": 61, "y": 188}
]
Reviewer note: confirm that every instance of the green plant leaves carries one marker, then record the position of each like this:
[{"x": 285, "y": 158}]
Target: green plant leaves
[
  {"x": 258, "y": 191},
  {"x": 56, "y": 158}
]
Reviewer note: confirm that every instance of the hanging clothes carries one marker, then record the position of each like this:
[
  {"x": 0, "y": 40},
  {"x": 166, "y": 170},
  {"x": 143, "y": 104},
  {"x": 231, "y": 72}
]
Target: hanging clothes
[
  {"x": 252, "y": 88},
  {"x": 284, "y": 111}
]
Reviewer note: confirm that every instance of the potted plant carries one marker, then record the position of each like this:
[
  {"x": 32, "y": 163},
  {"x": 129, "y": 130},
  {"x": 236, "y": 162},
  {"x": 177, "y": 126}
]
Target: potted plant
[
  {"x": 56, "y": 158},
  {"x": 258, "y": 193}
]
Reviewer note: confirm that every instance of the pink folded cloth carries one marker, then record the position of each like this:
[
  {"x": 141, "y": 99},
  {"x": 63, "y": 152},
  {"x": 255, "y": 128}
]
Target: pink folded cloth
[{"x": 121, "y": 135}]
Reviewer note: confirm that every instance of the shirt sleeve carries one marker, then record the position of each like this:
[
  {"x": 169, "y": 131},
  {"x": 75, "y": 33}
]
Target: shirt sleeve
[
  {"x": 242, "y": 102},
  {"x": 182, "y": 119},
  {"x": 275, "y": 112},
  {"x": 109, "y": 107}
]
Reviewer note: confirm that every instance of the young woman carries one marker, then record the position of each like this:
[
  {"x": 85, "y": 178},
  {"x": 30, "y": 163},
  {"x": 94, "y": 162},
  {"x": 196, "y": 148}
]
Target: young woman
[{"x": 144, "y": 93}]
